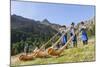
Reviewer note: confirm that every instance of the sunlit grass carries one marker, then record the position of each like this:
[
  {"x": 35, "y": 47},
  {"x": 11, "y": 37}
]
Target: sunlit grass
[{"x": 79, "y": 54}]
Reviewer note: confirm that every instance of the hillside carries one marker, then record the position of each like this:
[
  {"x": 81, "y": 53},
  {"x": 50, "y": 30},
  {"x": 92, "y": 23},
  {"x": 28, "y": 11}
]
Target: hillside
[
  {"x": 28, "y": 26},
  {"x": 25, "y": 30},
  {"x": 81, "y": 54},
  {"x": 90, "y": 24}
]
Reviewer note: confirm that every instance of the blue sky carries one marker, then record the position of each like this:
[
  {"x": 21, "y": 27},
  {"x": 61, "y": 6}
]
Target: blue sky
[{"x": 62, "y": 14}]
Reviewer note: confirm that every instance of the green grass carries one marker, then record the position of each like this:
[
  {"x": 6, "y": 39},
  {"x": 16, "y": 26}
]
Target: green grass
[{"x": 80, "y": 54}]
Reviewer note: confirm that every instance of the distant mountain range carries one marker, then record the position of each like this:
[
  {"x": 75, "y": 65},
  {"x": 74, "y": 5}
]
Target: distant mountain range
[
  {"x": 19, "y": 21},
  {"x": 29, "y": 27}
]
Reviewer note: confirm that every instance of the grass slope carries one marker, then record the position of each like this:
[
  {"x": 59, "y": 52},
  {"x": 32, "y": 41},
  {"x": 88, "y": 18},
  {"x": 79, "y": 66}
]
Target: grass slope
[{"x": 80, "y": 54}]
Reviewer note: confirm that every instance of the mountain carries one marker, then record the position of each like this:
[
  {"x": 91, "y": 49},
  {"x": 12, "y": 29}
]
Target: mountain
[
  {"x": 46, "y": 22},
  {"x": 24, "y": 28},
  {"x": 52, "y": 25}
]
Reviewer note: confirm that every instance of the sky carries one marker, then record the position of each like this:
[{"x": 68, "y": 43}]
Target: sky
[{"x": 63, "y": 14}]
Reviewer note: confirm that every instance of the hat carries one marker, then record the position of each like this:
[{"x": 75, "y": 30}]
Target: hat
[
  {"x": 82, "y": 22},
  {"x": 72, "y": 23},
  {"x": 63, "y": 26}
]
